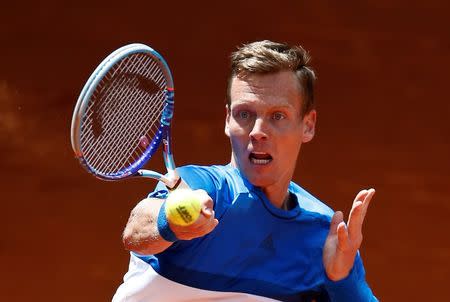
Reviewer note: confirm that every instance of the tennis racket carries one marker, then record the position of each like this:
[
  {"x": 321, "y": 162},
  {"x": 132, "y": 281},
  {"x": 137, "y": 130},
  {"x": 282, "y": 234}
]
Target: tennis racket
[{"x": 123, "y": 114}]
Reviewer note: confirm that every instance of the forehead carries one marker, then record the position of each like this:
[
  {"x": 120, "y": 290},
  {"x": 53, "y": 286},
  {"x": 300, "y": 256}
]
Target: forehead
[{"x": 277, "y": 89}]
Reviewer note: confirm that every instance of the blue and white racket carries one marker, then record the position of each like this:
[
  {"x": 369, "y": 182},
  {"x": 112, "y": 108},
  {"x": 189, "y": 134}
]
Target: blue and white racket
[{"x": 123, "y": 114}]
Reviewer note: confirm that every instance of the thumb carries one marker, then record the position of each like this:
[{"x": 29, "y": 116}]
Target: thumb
[
  {"x": 338, "y": 217},
  {"x": 207, "y": 207}
]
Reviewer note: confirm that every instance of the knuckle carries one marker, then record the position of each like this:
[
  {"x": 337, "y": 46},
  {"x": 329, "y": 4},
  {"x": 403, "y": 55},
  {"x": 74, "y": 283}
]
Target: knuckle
[{"x": 200, "y": 192}]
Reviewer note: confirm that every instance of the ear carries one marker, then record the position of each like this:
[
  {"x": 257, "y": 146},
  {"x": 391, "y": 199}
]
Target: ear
[
  {"x": 227, "y": 120},
  {"x": 309, "y": 126}
]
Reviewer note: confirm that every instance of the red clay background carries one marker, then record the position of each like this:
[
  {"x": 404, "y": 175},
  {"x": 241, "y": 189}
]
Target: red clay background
[{"x": 383, "y": 109}]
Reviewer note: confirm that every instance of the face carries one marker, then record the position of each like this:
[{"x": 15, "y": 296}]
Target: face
[{"x": 265, "y": 127}]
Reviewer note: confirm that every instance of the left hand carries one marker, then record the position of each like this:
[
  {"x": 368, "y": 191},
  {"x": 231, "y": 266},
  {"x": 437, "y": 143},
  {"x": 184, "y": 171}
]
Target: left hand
[{"x": 344, "y": 240}]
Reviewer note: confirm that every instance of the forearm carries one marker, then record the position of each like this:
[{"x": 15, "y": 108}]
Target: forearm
[{"x": 141, "y": 233}]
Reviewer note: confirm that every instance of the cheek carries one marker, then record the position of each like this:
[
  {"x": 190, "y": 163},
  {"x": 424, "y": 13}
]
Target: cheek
[
  {"x": 237, "y": 142},
  {"x": 236, "y": 131},
  {"x": 291, "y": 143}
]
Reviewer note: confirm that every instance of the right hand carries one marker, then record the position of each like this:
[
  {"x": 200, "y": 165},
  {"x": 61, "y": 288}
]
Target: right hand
[{"x": 204, "y": 224}]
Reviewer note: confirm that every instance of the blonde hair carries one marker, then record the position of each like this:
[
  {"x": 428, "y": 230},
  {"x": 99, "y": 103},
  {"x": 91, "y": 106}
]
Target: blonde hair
[{"x": 270, "y": 57}]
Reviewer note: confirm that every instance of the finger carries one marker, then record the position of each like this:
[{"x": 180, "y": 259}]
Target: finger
[
  {"x": 355, "y": 220},
  {"x": 343, "y": 237},
  {"x": 366, "y": 202},
  {"x": 207, "y": 203},
  {"x": 337, "y": 218},
  {"x": 207, "y": 227},
  {"x": 207, "y": 208},
  {"x": 200, "y": 221},
  {"x": 203, "y": 194},
  {"x": 201, "y": 230},
  {"x": 360, "y": 196},
  {"x": 358, "y": 213}
]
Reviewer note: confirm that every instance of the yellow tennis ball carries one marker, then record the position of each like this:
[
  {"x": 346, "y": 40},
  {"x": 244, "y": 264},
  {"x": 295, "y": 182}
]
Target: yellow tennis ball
[{"x": 182, "y": 207}]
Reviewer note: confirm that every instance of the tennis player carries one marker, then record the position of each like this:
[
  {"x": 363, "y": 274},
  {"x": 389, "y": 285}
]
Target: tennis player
[{"x": 260, "y": 236}]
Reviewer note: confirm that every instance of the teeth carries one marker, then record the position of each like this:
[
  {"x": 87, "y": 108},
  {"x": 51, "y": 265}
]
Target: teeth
[
  {"x": 259, "y": 161},
  {"x": 260, "y": 158}
]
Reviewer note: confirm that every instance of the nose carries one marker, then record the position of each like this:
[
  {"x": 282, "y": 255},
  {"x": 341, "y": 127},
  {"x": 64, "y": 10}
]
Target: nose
[{"x": 259, "y": 130}]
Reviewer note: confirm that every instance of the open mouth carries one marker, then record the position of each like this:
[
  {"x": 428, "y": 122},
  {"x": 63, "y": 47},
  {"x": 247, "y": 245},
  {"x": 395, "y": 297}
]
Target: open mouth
[{"x": 260, "y": 158}]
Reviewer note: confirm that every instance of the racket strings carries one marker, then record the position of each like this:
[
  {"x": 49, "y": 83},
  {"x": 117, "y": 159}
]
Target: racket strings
[
  {"x": 142, "y": 130},
  {"x": 149, "y": 124},
  {"x": 103, "y": 88},
  {"x": 124, "y": 131},
  {"x": 127, "y": 109},
  {"x": 118, "y": 148},
  {"x": 104, "y": 97},
  {"x": 124, "y": 94}
]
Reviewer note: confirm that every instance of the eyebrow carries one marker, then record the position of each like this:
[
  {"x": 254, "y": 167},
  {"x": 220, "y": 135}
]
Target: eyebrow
[{"x": 249, "y": 102}]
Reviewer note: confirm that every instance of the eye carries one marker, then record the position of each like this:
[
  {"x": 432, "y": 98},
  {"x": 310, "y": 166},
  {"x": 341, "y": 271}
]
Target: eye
[
  {"x": 278, "y": 116},
  {"x": 243, "y": 114}
]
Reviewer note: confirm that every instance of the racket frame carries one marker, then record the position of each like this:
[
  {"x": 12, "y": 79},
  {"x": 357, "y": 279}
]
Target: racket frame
[{"x": 171, "y": 179}]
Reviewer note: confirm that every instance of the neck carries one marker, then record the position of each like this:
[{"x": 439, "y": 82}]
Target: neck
[
  {"x": 277, "y": 195},
  {"x": 279, "y": 198}
]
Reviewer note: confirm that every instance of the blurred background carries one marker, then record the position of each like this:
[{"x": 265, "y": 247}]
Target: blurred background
[{"x": 383, "y": 111}]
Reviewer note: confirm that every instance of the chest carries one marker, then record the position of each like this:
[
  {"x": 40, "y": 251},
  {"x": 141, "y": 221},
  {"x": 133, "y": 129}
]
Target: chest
[{"x": 252, "y": 243}]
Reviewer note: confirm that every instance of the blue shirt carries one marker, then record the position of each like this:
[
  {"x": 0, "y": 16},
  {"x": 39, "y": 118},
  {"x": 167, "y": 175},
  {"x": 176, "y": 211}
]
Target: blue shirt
[{"x": 257, "y": 248}]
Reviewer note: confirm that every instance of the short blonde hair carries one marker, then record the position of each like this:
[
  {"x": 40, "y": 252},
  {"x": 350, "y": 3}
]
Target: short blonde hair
[{"x": 270, "y": 57}]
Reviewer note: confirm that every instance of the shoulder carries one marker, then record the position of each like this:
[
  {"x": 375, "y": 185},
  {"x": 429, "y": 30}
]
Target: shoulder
[
  {"x": 193, "y": 174},
  {"x": 310, "y": 204},
  {"x": 218, "y": 180}
]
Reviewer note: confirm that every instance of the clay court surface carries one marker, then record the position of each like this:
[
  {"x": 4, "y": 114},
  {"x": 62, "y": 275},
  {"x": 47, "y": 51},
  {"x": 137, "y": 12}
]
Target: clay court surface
[{"x": 383, "y": 105}]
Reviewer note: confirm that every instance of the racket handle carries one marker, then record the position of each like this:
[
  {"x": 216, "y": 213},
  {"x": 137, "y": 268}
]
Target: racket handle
[{"x": 172, "y": 180}]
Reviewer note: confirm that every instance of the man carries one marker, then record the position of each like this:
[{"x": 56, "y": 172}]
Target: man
[{"x": 260, "y": 237}]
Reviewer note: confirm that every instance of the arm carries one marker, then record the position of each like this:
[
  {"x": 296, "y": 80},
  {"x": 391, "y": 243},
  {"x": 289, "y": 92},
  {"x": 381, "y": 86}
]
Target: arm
[
  {"x": 141, "y": 234},
  {"x": 343, "y": 266},
  {"x": 352, "y": 288}
]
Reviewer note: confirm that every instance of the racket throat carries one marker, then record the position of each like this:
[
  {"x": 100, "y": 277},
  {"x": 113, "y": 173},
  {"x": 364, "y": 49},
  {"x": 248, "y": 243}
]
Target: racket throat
[{"x": 172, "y": 179}]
